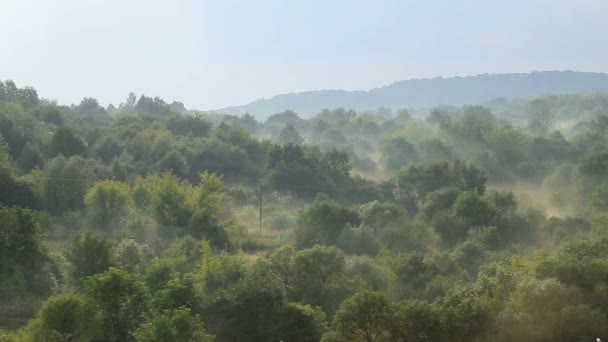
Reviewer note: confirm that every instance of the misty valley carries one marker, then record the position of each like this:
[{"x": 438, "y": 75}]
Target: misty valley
[{"x": 148, "y": 221}]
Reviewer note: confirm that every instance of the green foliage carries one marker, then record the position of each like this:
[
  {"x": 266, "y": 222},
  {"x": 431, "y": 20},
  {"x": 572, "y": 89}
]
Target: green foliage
[
  {"x": 123, "y": 301},
  {"x": 178, "y": 325},
  {"x": 547, "y": 310},
  {"x": 398, "y": 153},
  {"x": 67, "y": 182},
  {"x": 15, "y": 191},
  {"x": 159, "y": 273},
  {"x": 415, "y": 182},
  {"x": 318, "y": 277},
  {"x": 415, "y": 320},
  {"x": 464, "y": 315},
  {"x": 88, "y": 255},
  {"x": 364, "y": 317},
  {"x": 540, "y": 116},
  {"x": 67, "y": 317},
  {"x": 24, "y": 258},
  {"x": 189, "y": 125},
  {"x": 221, "y": 271},
  {"x": 358, "y": 240},
  {"x": 322, "y": 224},
  {"x": 130, "y": 256},
  {"x": 290, "y": 135},
  {"x": 259, "y": 313},
  {"x": 469, "y": 264},
  {"x": 107, "y": 202},
  {"x": 66, "y": 144},
  {"x": 178, "y": 292}
]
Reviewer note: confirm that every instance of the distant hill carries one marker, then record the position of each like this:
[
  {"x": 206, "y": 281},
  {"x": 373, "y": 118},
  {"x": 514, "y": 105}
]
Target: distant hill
[{"x": 418, "y": 93}]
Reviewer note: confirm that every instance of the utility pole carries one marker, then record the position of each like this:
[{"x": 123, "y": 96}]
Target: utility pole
[{"x": 260, "y": 207}]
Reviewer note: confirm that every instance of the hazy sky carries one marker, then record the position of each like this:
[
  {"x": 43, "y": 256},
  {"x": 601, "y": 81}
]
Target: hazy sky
[{"x": 211, "y": 54}]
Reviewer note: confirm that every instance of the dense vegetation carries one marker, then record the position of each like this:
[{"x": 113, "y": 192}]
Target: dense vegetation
[{"x": 141, "y": 222}]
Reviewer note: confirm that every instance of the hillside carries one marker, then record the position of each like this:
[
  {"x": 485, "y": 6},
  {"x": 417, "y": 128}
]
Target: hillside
[{"x": 431, "y": 92}]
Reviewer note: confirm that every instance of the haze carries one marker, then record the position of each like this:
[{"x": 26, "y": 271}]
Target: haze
[{"x": 212, "y": 54}]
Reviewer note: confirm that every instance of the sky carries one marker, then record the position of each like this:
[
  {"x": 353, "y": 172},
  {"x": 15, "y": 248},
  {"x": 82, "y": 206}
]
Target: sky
[{"x": 211, "y": 54}]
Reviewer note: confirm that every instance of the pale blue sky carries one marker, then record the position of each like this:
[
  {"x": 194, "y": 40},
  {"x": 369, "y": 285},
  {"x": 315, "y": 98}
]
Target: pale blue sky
[{"x": 211, "y": 54}]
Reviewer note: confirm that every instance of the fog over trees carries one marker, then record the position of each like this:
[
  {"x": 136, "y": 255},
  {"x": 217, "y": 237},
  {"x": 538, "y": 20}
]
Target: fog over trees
[{"x": 141, "y": 221}]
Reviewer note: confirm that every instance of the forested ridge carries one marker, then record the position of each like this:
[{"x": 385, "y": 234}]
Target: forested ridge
[
  {"x": 141, "y": 222},
  {"x": 426, "y": 92}
]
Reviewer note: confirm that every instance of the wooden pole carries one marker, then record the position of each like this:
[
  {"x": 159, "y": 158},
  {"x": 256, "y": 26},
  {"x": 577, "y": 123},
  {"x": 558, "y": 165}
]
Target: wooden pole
[{"x": 260, "y": 207}]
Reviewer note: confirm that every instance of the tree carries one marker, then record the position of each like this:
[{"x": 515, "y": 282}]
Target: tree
[
  {"x": 595, "y": 165},
  {"x": 364, "y": 317},
  {"x": 30, "y": 158},
  {"x": 159, "y": 273},
  {"x": 290, "y": 135},
  {"x": 169, "y": 200},
  {"x": 258, "y": 312},
  {"x": 415, "y": 182},
  {"x": 123, "y": 301},
  {"x": 67, "y": 317},
  {"x": 90, "y": 105},
  {"x": 89, "y": 254},
  {"x": 291, "y": 168},
  {"x": 129, "y": 104},
  {"x": 107, "y": 148},
  {"x": 67, "y": 182},
  {"x": 474, "y": 209},
  {"x": 107, "y": 202},
  {"x": 403, "y": 116},
  {"x": 15, "y": 191},
  {"x": 545, "y": 310},
  {"x": 178, "y": 325},
  {"x": 64, "y": 142},
  {"x": 415, "y": 321},
  {"x": 318, "y": 277},
  {"x": 435, "y": 149},
  {"x": 24, "y": 258},
  {"x": 398, "y": 152},
  {"x": 464, "y": 315},
  {"x": 178, "y": 293},
  {"x": 322, "y": 224},
  {"x": 338, "y": 164},
  {"x": 152, "y": 106},
  {"x": 299, "y": 322},
  {"x": 540, "y": 116},
  {"x": 189, "y": 125},
  {"x": 130, "y": 256}
]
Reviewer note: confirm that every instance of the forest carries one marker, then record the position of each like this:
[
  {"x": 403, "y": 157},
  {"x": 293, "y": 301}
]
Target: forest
[{"x": 148, "y": 221}]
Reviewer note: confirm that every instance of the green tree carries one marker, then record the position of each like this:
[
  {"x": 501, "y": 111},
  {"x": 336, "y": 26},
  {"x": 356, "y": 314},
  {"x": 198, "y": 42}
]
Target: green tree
[
  {"x": 364, "y": 317},
  {"x": 178, "y": 325},
  {"x": 290, "y": 135},
  {"x": 323, "y": 223},
  {"x": 67, "y": 317},
  {"x": 159, "y": 273},
  {"x": 414, "y": 321},
  {"x": 318, "y": 277},
  {"x": 89, "y": 254},
  {"x": 464, "y": 315},
  {"x": 178, "y": 293},
  {"x": 67, "y": 144},
  {"x": 107, "y": 202},
  {"x": 545, "y": 310},
  {"x": 541, "y": 116},
  {"x": 123, "y": 301},
  {"x": 398, "y": 153},
  {"x": 67, "y": 183},
  {"x": 15, "y": 191},
  {"x": 24, "y": 257}
]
